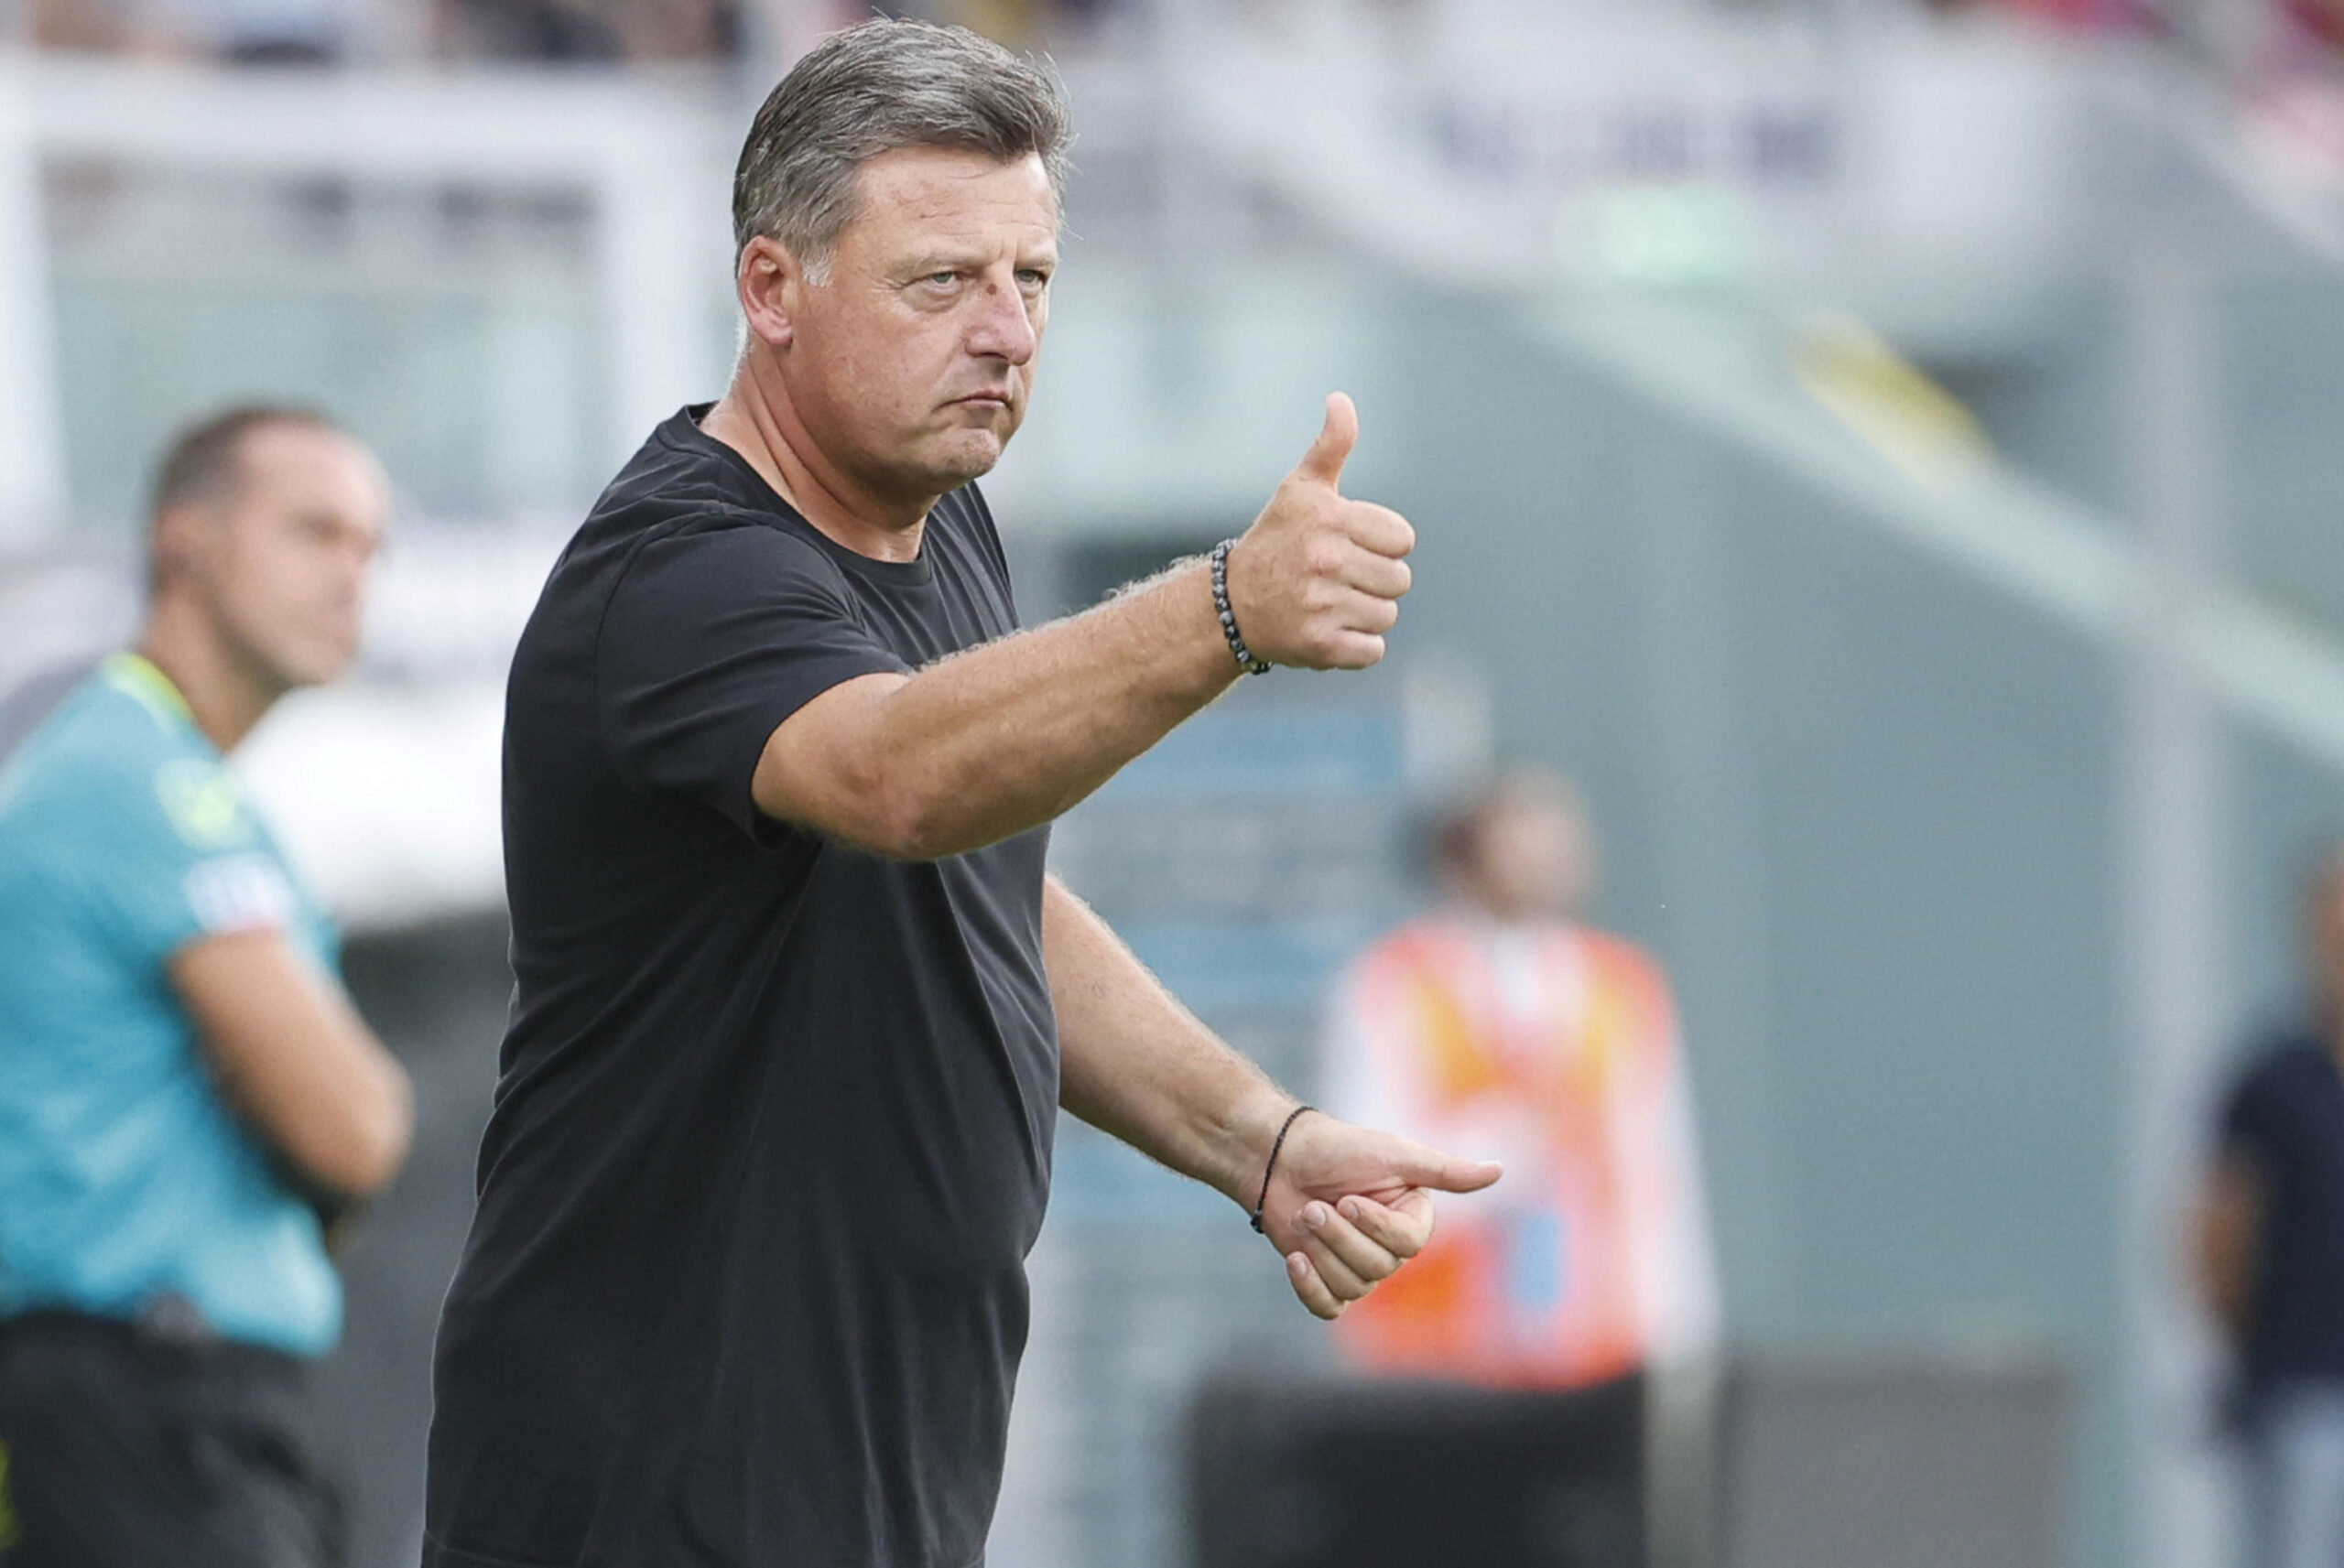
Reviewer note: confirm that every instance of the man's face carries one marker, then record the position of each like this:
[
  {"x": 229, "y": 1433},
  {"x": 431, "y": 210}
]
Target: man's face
[
  {"x": 911, "y": 366},
  {"x": 1531, "y": 859},
  {"x": 280, "y": 562}
]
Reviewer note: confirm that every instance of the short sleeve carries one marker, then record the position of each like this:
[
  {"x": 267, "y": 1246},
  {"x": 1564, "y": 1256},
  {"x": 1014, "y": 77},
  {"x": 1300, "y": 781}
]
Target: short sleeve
[
  {"x": 2246, "y": 1127},
  {"x": 988, "y": 536},
  {"x": 712, "y": 639},
  {"x": 169, "y": 852}
]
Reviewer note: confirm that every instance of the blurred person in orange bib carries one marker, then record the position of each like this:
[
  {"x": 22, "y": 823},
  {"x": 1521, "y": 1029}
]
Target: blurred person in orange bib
[
  {"x": 187, "y": 1102},
  {"x": 1499, "y": 1023}
]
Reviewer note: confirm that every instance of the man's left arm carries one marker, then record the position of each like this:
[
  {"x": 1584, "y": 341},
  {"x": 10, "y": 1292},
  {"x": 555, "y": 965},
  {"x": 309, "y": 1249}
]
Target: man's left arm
[{"x": 1346, "y": 1205}]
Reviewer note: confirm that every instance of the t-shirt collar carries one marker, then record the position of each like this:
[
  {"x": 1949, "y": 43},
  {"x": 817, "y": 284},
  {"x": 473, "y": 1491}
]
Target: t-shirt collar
[
  {"x": 137, "y": 675},
  {"x": 684, "y": 429}
]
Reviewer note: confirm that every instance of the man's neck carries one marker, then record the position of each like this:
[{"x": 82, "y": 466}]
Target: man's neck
[
  {"x": 226, "y": 696},
  {"x": 755, "y": 418}
]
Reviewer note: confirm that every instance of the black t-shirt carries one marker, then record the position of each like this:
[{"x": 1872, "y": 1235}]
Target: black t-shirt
[
  {"x": 772, "y": 1134},
  {"x": 2285, "y": 1119}
]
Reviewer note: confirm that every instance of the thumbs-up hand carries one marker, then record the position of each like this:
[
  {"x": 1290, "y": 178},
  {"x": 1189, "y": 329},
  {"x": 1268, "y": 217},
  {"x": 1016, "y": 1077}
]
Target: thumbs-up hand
[
  {"x": 1317, "y": 580},
  {"x": 1348, "y": 1206}
]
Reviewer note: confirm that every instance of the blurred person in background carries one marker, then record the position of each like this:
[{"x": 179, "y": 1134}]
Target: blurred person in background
[
  {"x": 236, "y": 32},
  {"x": 576, "y": 32},
  {"x": 189, "y": 1104},
  {"x": 1500, "y": 1022},
  {"x": 2270, "y": 1247}
]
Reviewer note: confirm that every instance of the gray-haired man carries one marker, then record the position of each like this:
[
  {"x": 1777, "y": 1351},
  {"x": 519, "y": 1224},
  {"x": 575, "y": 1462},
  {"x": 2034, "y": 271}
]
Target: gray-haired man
[{"x": 798, "y": 1005}]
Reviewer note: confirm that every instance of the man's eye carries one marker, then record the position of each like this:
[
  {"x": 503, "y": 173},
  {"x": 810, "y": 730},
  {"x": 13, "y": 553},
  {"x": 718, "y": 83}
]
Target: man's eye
[
  {"x": 942, "y": 279},
  {"x": 1033, "y": 277}
]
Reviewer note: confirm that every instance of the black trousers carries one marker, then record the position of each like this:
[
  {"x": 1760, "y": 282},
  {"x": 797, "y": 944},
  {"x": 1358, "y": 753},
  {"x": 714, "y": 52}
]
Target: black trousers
[{"x": 128, "y": 1448}]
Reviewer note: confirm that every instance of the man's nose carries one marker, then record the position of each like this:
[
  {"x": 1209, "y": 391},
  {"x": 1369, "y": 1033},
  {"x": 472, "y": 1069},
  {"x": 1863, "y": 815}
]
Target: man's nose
[{"x": 1003, "y": 329}]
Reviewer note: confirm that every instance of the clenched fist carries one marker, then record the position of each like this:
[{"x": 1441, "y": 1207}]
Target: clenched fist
[{"x": 1317, "y": 580}]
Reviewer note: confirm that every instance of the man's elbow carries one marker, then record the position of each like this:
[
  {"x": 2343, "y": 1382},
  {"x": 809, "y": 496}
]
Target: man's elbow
[
  {"x": 861, "y": 798},
  {"x": 910, "y": 825},
  {"x": 393, "y": 1133},
  {"x": 900, "y": 815},
  {"x": 368, "y": 1150}
]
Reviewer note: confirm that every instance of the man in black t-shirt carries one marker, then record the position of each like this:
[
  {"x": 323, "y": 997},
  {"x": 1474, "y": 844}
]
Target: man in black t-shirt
[
  {"x": 2270, "y": 1251},
  {"x": 798, "y": 1005}
]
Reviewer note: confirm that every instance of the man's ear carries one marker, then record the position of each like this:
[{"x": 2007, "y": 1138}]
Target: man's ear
[
  {"x": 772, "y": 287},
  {"x": 180, "y": 536}
]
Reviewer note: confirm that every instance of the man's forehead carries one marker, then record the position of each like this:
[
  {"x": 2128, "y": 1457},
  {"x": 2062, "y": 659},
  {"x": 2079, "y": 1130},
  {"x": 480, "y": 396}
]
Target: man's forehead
[
  {"x": 295, "y": 441},
  {"x": 314, "y": 462},
  {"x": 946, "y": 188},
  {"x": 309, "y": 449}
]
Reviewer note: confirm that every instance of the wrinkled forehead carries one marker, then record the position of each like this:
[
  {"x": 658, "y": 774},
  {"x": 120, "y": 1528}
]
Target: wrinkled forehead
[{"x": 947, "y": 191}]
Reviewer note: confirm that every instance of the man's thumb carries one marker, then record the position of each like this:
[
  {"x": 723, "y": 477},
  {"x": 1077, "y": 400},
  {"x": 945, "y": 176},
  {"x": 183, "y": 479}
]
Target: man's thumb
[
  {"x": 1324, "y": 461},
  {"x": 1447, "y": 1174}
]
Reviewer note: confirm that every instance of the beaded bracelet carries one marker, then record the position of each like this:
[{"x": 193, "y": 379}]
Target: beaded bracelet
[
  {"x": 1245, "y": 659},
  {"x": 1263, "y": 1201}
]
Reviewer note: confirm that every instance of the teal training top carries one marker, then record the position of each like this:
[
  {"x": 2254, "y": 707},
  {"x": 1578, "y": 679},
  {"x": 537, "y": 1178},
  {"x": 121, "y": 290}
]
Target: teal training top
[{"x": 123, "y": 1175}]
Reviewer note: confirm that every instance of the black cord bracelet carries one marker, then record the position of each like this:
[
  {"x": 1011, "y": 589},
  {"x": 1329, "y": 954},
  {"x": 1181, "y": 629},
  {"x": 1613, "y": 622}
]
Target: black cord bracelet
[
  {"x": 1268, "y": 1170},
  {"x": 1245, "y": 659}
]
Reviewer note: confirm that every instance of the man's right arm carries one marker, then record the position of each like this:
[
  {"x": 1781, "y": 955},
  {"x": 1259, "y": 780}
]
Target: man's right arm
[
  {"x": 294, "y": 1059},
  {"x": 1006, "y": 737},
  {"x": 2228, "y": 1221}
]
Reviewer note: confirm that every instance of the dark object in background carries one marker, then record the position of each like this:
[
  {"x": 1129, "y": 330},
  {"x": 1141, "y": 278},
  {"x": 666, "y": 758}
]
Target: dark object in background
[
  {"x": 156, "y": 1442},
  {"x": 436, "y": 994},
  {"x": 544, "y": 30},
  {"x": 271, "y": 50},
  {"x": 1402, "y": 1474},
  {"x": 592, "y": 32},
  {"x": 1895, "y": 1464}
]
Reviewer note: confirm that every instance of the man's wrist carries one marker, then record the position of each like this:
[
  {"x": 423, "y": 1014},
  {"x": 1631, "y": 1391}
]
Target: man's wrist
[
  {"x": 1259, "y": 1213},
  {"x": 1199, "y": 623},
  {"x": 1176, "y": 610},
  {"x": 1247, "y": 660},
  {"x": 1249, "y": 1133}
]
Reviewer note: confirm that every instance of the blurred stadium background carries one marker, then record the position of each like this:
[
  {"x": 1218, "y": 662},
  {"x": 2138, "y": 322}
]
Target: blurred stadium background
[{"x": 1889, "y": 455}]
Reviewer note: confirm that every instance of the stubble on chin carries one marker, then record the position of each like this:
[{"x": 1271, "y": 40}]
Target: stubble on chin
[{"x": 965, "y": 456}]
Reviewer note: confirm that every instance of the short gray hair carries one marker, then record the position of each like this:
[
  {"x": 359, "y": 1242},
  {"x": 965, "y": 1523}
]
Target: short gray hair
[{"x": 879, "y": 87}]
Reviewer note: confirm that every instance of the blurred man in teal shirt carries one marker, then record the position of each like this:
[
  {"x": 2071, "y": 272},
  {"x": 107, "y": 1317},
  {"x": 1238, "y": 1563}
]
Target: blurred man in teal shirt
[{"x": 188, "y": 1100}]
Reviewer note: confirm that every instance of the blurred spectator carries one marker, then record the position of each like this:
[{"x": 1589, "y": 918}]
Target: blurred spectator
[
  {"x": 246, "y": 32},
  {"x": 1012, "y": 22},
  {"x": 2271, "y": 1257},
  {"x": 1498, "y": 1023},
  {"x": 1020, "y": 24},
  {"x": 2076, "y": 17},
  {"x": 2292, "y": 108},
  {"x": 189, "y": 1106},
  {"x": 635, "y": 32}
]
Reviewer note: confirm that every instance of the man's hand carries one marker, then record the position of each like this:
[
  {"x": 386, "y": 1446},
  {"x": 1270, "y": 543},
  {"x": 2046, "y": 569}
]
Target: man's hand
[
  {"x": 1317, "y": 580},
  {"x": 1348, "y": 1205}
]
